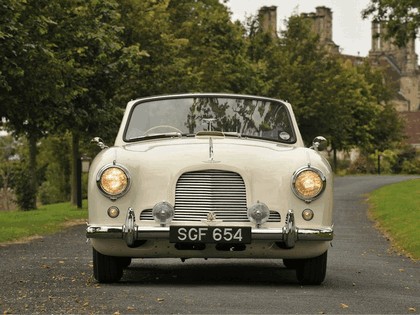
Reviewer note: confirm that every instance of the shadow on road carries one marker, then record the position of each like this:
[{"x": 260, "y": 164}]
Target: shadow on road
[{"x": 212, "y": 272}]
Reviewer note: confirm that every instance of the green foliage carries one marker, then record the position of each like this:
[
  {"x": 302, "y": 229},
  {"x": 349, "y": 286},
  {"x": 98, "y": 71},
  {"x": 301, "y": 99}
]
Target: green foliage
[
  {"x": 402, "y": 18},
  {"x": 55, "y": 163},
  {"x": 8, "y": 170},
  {"x": 411, "y": 166},
  {"x": 69, "y": 67},
  {"x": 395, "y": 208},
  {"x": 25, "y": 192},
  {"x": 407, "y": 161},
  {"x": 16, "y": 175},
  {"x": 10, "y": 39},
  {"x": 330, "y": 96},
  {"x": 399, "y": 160}
]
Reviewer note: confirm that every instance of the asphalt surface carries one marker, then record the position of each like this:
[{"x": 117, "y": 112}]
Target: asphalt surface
[{"x": 54, "y": 275}]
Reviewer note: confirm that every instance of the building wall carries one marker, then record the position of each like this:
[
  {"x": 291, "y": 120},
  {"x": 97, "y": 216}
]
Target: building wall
[{"x": 403, "y": 61}]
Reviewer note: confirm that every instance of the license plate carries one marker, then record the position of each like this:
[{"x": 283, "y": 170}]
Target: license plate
[{"x": 209, "y": 234}]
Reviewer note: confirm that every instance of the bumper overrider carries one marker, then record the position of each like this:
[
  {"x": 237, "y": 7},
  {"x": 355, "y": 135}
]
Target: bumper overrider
[{"x": 289, "y": 234}]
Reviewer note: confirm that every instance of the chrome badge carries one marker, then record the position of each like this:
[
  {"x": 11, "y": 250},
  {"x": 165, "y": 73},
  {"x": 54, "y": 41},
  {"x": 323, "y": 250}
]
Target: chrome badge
[{"x": 211, "y": 216}]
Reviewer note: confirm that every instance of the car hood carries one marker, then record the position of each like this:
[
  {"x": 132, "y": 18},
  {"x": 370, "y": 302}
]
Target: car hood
[
  {"x": 155, "y": 167},
  {"x": 241, "y": 155}
]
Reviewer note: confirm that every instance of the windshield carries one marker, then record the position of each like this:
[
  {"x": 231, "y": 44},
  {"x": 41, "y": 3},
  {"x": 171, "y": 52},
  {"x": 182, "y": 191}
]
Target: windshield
[{"x": 186, "y": 116}]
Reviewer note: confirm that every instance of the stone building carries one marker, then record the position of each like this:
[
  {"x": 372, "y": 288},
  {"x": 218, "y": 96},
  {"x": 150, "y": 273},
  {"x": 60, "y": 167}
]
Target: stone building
[{"x": 399, "y": 63}]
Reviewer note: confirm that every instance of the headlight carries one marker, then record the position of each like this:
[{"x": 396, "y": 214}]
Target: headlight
[
  {"x": 113, "y": 181},
  {"x": 308, "y": 183}
]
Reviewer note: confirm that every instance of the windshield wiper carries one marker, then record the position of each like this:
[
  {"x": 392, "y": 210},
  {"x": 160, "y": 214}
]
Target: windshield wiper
[
  {"x": 232, "y": 134},
  {"x": 161, "y": 135}
]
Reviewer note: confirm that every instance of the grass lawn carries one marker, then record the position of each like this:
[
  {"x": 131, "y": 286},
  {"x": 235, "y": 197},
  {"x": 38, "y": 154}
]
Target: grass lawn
[
  {"x": 396, "y": 209},
  {"x": 17, "y": 225}
]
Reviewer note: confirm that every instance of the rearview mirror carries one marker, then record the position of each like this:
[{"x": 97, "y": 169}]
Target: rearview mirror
[
  {"x": 319, "y": 143},
  {"x": 99, "y": 142}
]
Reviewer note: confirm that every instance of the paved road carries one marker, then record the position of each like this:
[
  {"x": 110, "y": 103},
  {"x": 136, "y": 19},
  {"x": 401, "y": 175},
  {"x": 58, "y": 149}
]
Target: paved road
[{"x": 53, "y": 275}]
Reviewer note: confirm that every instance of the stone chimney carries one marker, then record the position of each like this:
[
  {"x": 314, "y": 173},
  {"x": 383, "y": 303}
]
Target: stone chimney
[
  {"x": 268, "y": 20},
  {"x": 321, "y": 24}
]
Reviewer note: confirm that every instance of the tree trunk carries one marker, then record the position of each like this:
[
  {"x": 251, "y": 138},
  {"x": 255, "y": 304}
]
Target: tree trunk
[
  {"x": 5, "y": 177},
  {"x": 335, "y": 160},
  {"x": 75, "y": 157},
  {"x": 33, "y": 179}
]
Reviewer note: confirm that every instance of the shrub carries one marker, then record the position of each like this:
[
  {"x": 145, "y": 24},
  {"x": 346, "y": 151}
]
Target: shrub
[
  {"x": 25, "y": 193},
  {"x": 411, "y": 167}
]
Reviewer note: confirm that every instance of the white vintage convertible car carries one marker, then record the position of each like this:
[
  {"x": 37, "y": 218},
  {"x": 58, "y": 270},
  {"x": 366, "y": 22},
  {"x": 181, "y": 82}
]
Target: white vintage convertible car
[{"x": 210, "y": 176}]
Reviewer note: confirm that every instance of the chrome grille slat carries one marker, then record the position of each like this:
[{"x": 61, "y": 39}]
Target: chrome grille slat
[
  {"x": 198, "y": 193},
  {"x": 221, "y": 192}
]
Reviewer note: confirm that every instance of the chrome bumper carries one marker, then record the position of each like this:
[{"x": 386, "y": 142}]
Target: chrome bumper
[{"x": 288, "y": 234}]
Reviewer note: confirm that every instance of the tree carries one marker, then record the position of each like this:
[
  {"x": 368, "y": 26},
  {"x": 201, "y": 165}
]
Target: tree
[
  {"x": 192, "y": 46},
  {"x": 8, "y": 159},
  {"x": 32, "y": 79},
  {"x": 55, "y": 172},
  {"x": 330, "y": 97},
  {"x": 402, "y": 18},
  {"x": 88, "y": 41},
  {"x": 10, "y": 37},
  {"x": 160, "y": 67},
  {"x": 216, "y": 51},
  {"x": 63, "y": 67},
  {"x": 388, "y": 126}
]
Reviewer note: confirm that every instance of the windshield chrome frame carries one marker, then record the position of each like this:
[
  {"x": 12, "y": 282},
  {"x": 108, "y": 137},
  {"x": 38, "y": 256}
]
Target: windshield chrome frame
[{"x": 207, "y": 95}]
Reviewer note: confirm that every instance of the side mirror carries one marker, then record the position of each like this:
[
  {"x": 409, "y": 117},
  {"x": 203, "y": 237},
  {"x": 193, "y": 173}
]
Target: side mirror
[
  {"x": 99, "y": 142},
  {"x": 319, "y": 143}
]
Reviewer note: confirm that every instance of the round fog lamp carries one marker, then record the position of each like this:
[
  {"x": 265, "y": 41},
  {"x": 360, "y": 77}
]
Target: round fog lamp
[
  {"x": 163, "y": 212},
  {"x": 113, "y": 212},
  {"x": 307, "y": 214},
  {"x": 259, "y": 213}
]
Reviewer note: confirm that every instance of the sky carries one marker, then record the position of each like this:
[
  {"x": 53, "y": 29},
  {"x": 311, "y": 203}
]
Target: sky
[{"x": 350, "y": 31}]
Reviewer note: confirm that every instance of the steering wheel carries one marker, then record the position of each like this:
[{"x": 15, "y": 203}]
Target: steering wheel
[{"x": 163, "y": 127}]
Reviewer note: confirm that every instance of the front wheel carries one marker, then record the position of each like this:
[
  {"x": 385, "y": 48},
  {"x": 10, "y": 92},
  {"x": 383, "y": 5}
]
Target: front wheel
[
  {"x": 312, "y": 271},
  {"x": 106, "y": 269}
]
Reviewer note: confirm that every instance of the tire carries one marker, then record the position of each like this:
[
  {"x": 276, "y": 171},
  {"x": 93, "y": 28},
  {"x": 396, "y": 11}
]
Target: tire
[
  {"x": 106, "y": 269},
  {"x": 125, "y": 262},
  {"x": 312, "y": 271},
  {"x": 291, "y": 263}
]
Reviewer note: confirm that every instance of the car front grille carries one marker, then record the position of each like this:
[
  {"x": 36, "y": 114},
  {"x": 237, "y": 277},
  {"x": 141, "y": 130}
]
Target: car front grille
[{"x": 221, "y": 192}]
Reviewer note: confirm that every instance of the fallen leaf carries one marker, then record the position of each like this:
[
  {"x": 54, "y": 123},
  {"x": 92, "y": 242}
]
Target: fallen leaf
[
  {"x": 160, "y": 299},
  {"x": 342, "y": 305},
  {"x": 411, "y": 309},
  {"x": 130, "y": 308}
]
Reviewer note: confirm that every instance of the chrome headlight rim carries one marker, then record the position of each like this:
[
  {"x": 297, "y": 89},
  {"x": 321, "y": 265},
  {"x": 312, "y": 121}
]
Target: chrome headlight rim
[
  {"x": 312, "y": 169},
  {"x": 103, "y": 190}
]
